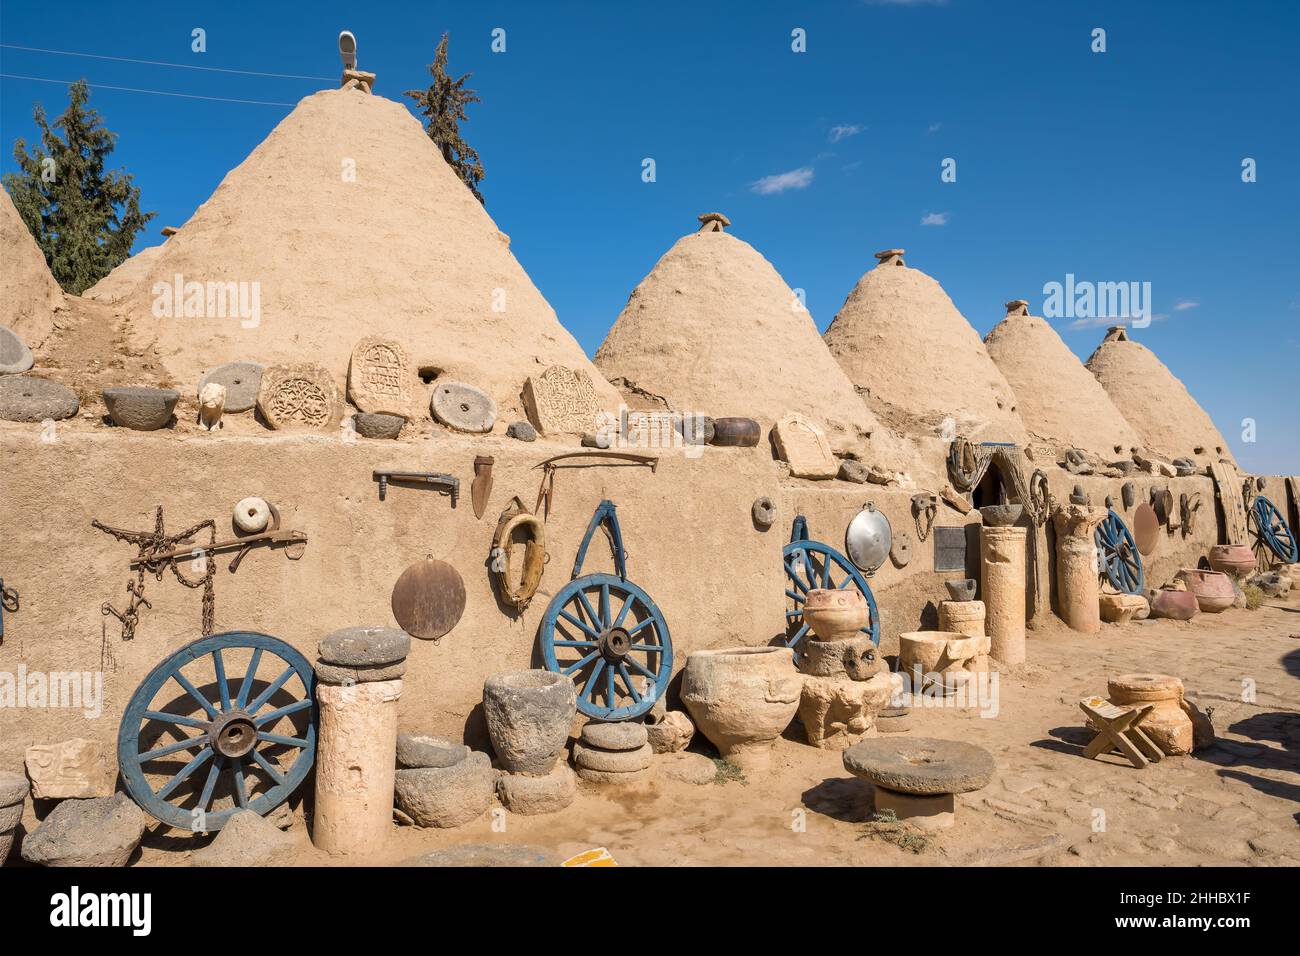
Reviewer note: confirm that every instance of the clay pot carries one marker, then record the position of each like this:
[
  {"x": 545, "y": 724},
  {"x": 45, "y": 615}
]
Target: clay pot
[
  {"x": 1234, "y": 559},
  {"x": 529, "y": 714},
  {"x": 835, "y": 614},
  {"x": 742, "y": 698},
  {"x": 1213, "y": 589},
  {"x": 1174, "y": 604},
  {"x": 1168, "y": 725}
]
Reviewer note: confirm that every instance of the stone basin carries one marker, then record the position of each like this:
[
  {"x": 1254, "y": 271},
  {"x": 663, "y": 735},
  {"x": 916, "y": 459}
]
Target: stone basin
[{"x": 140, "y": 409}]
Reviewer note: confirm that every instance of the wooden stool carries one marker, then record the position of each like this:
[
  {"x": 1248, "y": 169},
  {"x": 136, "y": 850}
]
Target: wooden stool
[{"x": 1120, "y": 730}]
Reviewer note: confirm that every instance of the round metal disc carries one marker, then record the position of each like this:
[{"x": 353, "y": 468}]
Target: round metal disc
[
  {"x": 1146, "y": 529},
  {"x": 428, "y": 599},
  {"x": 868, "y": 538}
]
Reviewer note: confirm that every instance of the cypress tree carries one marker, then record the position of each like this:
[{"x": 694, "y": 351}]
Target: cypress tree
[
  {"x": 82, "y": 216},
  {"x": 443, "y": 105}
]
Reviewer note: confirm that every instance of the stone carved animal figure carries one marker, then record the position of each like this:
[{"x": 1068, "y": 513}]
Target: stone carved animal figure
[{"x": 212, "y": 402}]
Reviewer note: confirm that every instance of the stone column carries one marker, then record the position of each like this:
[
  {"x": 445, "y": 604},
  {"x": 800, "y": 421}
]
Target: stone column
[
  {"x": 1078, "y": 592},
  {"x": 1002, "y": 561},
  {"x": 356, "y": 750}
]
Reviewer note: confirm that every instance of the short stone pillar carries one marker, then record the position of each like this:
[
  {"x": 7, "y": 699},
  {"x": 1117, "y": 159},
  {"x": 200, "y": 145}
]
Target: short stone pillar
[
  {"x": 1078, "y": 592},
  {"x": 962, "y": 617},
  {"x": 1002, "y": 562},
  {"x": 355, "y": 766}
]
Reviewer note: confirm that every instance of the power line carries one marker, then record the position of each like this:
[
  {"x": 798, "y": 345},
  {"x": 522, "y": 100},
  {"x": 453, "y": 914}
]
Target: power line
[
  {"x": 179, "y": 66},
  {"x": 131, "y": 89}
]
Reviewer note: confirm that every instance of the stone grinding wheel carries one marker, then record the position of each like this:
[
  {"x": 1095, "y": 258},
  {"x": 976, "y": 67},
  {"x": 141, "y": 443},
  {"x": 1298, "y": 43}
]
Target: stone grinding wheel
[
  {"x": 924, "y": 766},
  {"x": 428, "y": 599},
  {"x": 1146, "y": 529}
]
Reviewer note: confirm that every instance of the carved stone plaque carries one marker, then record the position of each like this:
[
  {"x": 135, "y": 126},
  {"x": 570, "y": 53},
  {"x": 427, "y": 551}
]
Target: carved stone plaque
[
  {"x": 298, "y": 396},
  {"x": 561, "y": 401},
  {"x": 380, "y": 379}
]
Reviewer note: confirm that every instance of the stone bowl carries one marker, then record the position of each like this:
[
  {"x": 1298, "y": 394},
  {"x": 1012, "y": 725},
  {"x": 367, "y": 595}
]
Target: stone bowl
[
  {"x": 529, "y": 714},
  {"x": 377, "y": 425},
  {"x": 1001, "y": 516},
  {"x": 835, "y": 614},
  {"x": 962, "y": 589},
  {"x": 140, "y": 409},
  {"x": 742, "y": 698},
  {"x": 1237, "y": 560},
  {"x": 1213, "y": 589}
]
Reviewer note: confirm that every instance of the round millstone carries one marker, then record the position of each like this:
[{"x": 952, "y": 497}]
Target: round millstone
[
  {"x": 523, "y": 431},
  {"x": 615, "y": 736},
  {"x": 13, "y": 788},
  {"x": 365, "y": 646},
  {"x": 529, "y": 796},
  {"x": 607, "y": 777},
  {"x": 141, "y": 409},
  {"x": 377, "y": 424},
  {"x": 921, "y": 765},
  {"x": 328, "y": 673},
  {"x": 26, "y": 398},
  {"x": 15, "y": 356},
  {"x": 463, "y": 407},
  {"x": 420, "y": 750},
  {"x": 612, "y": 761},
  {"x": 242, "y": 381}
]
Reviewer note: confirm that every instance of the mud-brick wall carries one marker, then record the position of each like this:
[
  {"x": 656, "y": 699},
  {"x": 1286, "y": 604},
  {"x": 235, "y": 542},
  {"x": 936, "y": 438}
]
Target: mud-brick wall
[{"x": 690, "y": 540}]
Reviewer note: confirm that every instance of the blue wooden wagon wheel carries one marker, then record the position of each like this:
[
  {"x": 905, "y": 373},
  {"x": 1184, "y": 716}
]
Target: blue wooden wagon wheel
[
  {"x": 607, "y": 634},
  {"x": 1121, "y": 564},
  {"x": 812, "y": 564},
  {"x": 253, "y": 735},
  {"x": 1272, "y": 532}
]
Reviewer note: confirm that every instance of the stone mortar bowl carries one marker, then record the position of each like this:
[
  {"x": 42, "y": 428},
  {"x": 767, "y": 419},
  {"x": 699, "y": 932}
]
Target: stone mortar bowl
[
  {"x": 377, "y": 425},
  {"x": 140, "y": 409},
  {"x": 529, "y": 714},
  {"x": 961, "y": 590},
  {"x": 1001, "y": 516},
  {"x": 742, "y": 698}
]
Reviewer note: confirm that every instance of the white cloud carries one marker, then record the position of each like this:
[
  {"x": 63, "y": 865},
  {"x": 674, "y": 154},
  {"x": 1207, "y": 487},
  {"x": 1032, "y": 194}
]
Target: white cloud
[
  {"x": 934, "y": 127},
  {"x": 780, "y": 182},
  {"x": 844, "y": 131},
  {"x": 934, "y": 219},
  {"x": 1182, "y": 305}
]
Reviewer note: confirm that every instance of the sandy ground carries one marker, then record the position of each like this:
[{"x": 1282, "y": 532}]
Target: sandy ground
[{"x": 1234, "y": 804}]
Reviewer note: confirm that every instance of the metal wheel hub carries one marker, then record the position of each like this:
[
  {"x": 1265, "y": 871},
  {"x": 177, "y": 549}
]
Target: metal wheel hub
[
  {"x": 233, "y": 734},
  {"x": 615, "y": 643}
]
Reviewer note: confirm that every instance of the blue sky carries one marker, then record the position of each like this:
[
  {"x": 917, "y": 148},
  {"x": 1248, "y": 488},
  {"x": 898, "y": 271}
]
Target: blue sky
[{"x": 1115, "y": 166}]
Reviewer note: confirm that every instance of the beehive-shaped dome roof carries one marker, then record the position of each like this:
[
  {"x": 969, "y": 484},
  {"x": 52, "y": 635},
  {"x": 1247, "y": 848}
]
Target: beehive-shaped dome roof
[
  {"x": 715, "y": 329},
  {"x": 1058, "y": 399},
  {"x": 1153, "y": 400},
  {"x": 917, "y": 360},
  {"x": 348, "y": 223},
  {"x": 28, "y": 293}
]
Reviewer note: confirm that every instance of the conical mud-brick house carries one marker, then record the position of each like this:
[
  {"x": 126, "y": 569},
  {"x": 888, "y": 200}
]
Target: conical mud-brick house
[
  {"x": 1153, "y": 400},
  {"x": 1058, "y": 399},
  {"x": 715, "y": 329},
  {"x": 347, "y": 222},
  {"x": 28, "y": 293},
  {"x": 916, "y": 359}
]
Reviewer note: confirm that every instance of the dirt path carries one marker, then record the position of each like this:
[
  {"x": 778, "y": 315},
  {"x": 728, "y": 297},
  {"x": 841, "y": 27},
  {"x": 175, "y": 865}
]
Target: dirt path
[{"x": 1236, "y": 803}]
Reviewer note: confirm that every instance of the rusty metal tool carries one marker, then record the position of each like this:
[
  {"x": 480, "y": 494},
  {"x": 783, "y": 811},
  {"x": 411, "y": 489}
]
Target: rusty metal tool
[
  {"x": 437, "y": 479},
  {"x": 598, "y": 459},
  {"x": 8, "y": 602},
  {"x": 481, "y": 490}
]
